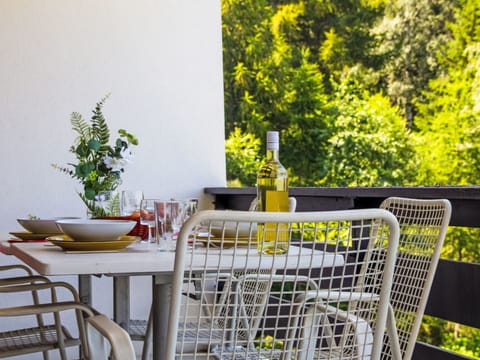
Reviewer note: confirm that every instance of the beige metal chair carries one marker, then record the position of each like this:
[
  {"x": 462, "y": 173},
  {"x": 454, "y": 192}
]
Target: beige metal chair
[
  {"x": 273, "y": 306},
  {"x": 15, "y": 275},
  {"x": 423, "y": 225},
  {"x": 97, "y": 335}
]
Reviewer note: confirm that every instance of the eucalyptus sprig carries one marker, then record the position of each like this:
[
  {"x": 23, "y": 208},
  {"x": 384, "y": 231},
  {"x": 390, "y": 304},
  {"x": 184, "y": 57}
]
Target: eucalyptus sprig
[{"x": 99, "y": 166}]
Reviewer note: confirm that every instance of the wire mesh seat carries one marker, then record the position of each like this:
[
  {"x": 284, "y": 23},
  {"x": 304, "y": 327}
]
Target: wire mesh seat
[
  {"x": 98, "y": 336},
  {"x": 319, "y": 300},
  {"x": 423, "y": 225}
]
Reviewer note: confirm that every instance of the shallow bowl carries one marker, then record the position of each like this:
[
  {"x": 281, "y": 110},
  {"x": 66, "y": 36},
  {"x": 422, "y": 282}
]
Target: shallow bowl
[
  {"x": 42, "y": 226},
  {"x": 230, "y": 229},
  {"x": 95, "y": 229}
]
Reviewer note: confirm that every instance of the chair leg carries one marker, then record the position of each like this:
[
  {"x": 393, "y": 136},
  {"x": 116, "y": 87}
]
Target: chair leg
[
  {"x": 393, "y": 335},
  {"x": 147, "y": 341}
]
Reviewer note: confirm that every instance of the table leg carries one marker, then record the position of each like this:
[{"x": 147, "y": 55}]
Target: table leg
[
  {"x": 85, "y": 289},
  {"x": 162, "y": 291},
  {"x": 85, "y": 295},
  {"x": 121, "y": 301}
]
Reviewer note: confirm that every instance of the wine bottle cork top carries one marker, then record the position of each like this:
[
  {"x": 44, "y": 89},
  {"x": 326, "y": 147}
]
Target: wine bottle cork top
[
  {"x": 272, "y": 136},
  {"x": 272, "y": 140}
]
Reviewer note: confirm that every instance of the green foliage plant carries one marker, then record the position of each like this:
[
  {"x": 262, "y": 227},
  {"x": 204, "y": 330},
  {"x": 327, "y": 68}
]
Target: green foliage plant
[
  {"x": 242, "y": 153},
  {"x": 99, "y": 165},
  {"x": 370, "y": 144}
]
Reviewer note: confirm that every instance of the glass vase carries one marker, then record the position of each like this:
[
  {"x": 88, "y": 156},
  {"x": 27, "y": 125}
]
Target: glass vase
[{"x": 106, "y": 203}]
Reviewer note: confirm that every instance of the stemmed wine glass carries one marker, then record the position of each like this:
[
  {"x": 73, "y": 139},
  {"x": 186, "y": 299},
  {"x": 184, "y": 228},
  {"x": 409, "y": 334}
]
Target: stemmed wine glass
[{"x": 147, "y": 216}]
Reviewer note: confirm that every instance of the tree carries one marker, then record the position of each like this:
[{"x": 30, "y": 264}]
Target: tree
[
  {"x": 272, "y": 85},
  {"x": 370, "y": 144},
  {"x": 409, "y": 37},
  {"x": 242, "y": 151},
  {"x": 448, "y": 149},
  {"x": 450, "y": 114}
]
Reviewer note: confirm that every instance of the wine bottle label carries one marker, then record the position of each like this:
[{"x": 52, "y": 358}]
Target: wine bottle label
[{"x": 276, "y": 201}]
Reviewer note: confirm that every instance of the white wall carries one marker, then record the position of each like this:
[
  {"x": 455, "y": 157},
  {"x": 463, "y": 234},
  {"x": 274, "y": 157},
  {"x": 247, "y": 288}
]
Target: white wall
[{"x": 161, "y": 62}]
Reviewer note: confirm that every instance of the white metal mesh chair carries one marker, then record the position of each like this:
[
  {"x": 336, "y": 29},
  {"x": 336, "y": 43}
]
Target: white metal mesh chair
[
  {"x": 423, "y": 225},
  {"x": 147, "y": 330},
  {"x": 273, "y": 306},
  {"x": 93, "y": 329}
]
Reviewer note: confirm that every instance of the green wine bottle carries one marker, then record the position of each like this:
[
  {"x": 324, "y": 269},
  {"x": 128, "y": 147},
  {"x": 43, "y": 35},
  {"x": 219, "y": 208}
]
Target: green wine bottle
[{"x": 272, "y": 195}]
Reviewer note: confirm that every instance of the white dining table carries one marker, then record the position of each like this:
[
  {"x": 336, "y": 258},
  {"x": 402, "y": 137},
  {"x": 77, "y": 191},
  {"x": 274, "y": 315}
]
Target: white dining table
[{"x": 137, "y": 259}]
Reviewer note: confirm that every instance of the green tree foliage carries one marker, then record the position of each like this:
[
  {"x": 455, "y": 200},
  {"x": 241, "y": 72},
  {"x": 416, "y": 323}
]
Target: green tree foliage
[
  {"x": 246, "y": 42},
  {"x": 408, "y": 37},
  {"x": 448, "y": 148},
  {"x": 273, "y": 82},
  {"x": 363, "y": 92},
  {"x": 242, "y": 152},
  {"x": 270, "y": 84},
  {"x": 450, "y": 116},
  {"x": 369, "y": 145}
]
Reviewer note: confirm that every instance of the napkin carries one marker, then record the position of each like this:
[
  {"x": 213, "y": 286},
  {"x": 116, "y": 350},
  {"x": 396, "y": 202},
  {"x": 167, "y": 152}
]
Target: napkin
[{"x": 21, "y": 241}]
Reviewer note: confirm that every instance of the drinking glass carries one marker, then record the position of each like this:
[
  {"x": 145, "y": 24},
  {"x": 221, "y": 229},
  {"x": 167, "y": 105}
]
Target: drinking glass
[
  {"x": 170, "y": 217},
  {"x": 191, "y": 207},
  {"x": 131, "y": 201},
  {"x": 160, "y": 214},
  {"x": 147, "y": 216}
]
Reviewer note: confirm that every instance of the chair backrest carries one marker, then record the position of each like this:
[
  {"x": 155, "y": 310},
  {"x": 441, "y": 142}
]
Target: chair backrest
[
  {"x": 319, "y": 296},
  {"x": 423, "y": 225}
]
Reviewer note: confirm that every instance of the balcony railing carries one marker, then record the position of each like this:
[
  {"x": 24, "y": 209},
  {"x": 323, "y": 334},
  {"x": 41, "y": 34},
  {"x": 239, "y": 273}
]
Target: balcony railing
[{"x": 455, "y": 293}]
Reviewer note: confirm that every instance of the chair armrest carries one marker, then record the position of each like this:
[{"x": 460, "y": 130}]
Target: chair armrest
[
  {"x": 44, "y": 308},
  {"x": 50, "y": 285},
  {"x": 362, "y": 331},
  {"x": 100, "y": 327},
  {"x": 30, "y": 279},
  {"x": 330, "y": 296},
  {"x": 319, "y": 311},
  {"x": 17, "y": 266}
]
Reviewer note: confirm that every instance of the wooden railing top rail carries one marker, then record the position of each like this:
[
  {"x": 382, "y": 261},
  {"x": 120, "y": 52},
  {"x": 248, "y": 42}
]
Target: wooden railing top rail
[
  {"x": 455, "y": 192},
  {"x": 460, "y": 302},
  {"x": 465, "y": 199}
]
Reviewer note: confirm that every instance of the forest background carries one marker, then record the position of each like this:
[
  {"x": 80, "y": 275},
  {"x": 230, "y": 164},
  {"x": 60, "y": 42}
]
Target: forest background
[{"x": 363, "y": 93}]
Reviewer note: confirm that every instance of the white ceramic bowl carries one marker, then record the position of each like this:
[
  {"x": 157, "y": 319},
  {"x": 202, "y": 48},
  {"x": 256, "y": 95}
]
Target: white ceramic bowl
[
  {"x": 231, "y": 228},
  {"x": 42, "y": 226},
  {"x": 95, "y": 229}
]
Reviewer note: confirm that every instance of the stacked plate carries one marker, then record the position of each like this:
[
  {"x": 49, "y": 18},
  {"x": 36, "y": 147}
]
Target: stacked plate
[
  {"x": 37, "y": 229},
  {"x": 94, "y": 235},
  {"x": 229, "y": 234}
]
